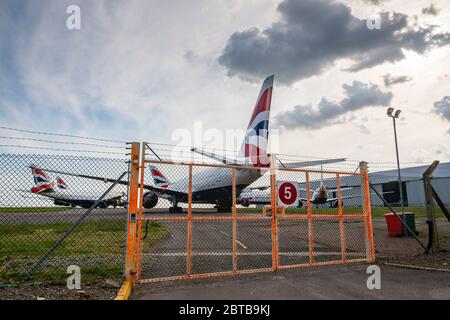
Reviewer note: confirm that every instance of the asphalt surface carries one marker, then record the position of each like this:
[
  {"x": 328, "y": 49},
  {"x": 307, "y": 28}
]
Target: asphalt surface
[
  {"x": 212, "y": 243},
  {"x": 165, "y": 255},
  {"x": 326, "y": 282}
]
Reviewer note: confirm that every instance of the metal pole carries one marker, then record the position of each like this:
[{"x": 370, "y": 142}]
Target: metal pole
[
  {"x": 399, "y": 218},
  {"x": 398, "y": 165}
]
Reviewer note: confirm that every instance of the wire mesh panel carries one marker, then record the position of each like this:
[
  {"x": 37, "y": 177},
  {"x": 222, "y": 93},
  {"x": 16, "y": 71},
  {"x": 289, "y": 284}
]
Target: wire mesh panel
[
  {"x": 211, "y": 250},
  {"x": 163, "y": 249},
  {"x": 254, "y": 244},
  {"x": 41, "y": 197},
  {"x": 227, "y": 223},
  {"x": 293, "y": 241}
]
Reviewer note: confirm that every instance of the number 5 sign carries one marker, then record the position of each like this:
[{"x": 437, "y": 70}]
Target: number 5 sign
[{"x": 287, "y": 194}]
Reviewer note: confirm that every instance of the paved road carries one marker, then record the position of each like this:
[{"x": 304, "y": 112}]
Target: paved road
[
  {"x": 212, "y": 243},
  {"x": 328, "y": 282}
]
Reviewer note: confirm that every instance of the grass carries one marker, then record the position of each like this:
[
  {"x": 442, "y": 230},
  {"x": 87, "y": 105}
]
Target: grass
[
  {"x": 32, "y": 209},
  {"x": 97, "y": 245}
]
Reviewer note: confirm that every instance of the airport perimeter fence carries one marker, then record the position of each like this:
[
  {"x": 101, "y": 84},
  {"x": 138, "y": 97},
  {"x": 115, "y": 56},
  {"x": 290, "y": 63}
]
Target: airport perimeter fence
[
  {"x": 193, "y": 219},
  {"x": 41, "y": 197},
  {"x": 227, "y": 219}
]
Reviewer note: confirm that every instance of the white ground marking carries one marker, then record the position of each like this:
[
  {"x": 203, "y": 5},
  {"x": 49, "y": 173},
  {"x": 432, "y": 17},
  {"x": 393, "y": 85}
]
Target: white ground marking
[{"x": 237, "y": 241}]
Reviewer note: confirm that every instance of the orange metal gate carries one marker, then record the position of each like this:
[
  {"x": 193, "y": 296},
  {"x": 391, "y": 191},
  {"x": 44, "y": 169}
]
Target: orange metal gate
[{"x": 200, "y": 242}]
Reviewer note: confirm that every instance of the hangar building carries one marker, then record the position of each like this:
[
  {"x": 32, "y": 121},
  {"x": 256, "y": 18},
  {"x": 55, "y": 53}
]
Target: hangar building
[{"x": 386, "y": 182}]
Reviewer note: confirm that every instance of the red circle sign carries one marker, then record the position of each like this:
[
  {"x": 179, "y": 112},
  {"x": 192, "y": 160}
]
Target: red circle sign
[{"x": 287, "y": 193}]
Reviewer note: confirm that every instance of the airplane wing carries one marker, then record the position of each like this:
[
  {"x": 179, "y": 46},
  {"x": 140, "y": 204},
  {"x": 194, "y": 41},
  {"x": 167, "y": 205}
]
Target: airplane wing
[
  {"x": 223, "y": 159},
  {"x": 343, "y": 197},
  {"x": 303, "y": 164},
  {"x": 292, "y": 165},
  {"x": 342, "y": 189},
  {"x": 259, "y": 188},
  {"x": 354, "y": 196},
  {"x": 156, "y": 190}
]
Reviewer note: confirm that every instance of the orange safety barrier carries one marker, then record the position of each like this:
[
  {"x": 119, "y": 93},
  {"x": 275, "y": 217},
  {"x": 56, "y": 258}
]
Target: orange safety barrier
[{"x": 197, "y": 242}]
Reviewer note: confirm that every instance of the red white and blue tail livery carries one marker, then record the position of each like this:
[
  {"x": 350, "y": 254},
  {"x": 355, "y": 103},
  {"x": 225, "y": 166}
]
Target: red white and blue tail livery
[
  {"x": 42, "y": 181},
  {"x": 159, "y": 179},
  {"x": 61, "y": 183},
  {"x": 254, "y": 146}
]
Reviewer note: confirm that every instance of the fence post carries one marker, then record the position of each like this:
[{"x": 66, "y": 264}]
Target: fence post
[
  {"x": 273, "y": 202},
  {"x": 141, "y": 211},
  {"x": 434, "y": 239},
  {"x": 130, "y": 261},
  {"x": 189, "y": 224},
  {"x": 367, "y": 211}
]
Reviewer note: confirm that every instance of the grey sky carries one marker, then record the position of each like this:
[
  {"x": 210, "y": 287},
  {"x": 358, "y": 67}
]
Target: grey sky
[{"x": 139, "y": 70}]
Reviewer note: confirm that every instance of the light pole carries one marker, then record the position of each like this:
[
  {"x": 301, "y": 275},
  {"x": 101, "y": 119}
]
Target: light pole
[{"x": 395, "y": 116}]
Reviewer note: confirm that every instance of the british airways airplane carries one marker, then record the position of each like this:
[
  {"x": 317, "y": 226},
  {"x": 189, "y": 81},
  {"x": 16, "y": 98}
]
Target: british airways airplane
[
  {"x": 61, "y": 196},
  {"x": 214, "y": 185}
]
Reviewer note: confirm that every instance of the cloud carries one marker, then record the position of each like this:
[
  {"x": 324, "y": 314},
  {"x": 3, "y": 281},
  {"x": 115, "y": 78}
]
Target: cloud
[
  {"x": 311, "y": 35},
  {"x": 375, "y": 2},
  {"x": 358, "y": 96},
  {"x": 390, "y": 80},
  {"x": 431, "y": 10},
  {"x": 116, "y": 77},
  {"x": 443, "y": 107}
]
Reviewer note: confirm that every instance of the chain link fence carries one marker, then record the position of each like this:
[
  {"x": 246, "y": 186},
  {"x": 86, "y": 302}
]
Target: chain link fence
[
  {"x": 217, "y": 220},
  {"x": 39, "y": 202},
  {"x": 197, "y": 219}
]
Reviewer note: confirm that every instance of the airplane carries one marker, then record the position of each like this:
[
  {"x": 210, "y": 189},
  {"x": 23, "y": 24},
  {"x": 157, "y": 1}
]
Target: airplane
[
  {"x": 320, "y": 195},
  {"x": 213, "y": 185},
  {"x": 44, "y": 186}
]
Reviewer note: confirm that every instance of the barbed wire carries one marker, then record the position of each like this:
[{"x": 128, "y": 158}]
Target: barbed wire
[
  {"x": 58, "y": 149},
  {"x": 167, "y": 149},
  {"x": 61, "y": 142},
  {"x": 60, "y": 135}
]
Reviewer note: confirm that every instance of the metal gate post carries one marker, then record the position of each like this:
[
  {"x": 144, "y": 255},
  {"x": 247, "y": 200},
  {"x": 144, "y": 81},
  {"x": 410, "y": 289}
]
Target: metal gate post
[
  {"x": 141, "y": 211},
  {"x": 234, "y": 222},
  {"x": 367, "y": 211},
  {"x": 130, "y": 262},
  {"x": 341, "y": 220},
  {"x": 273, "y": 202},
  {"x": 310, "y": 221},
  {"x": 430, "y": 207},
  {"x": 189, "y": 225}
]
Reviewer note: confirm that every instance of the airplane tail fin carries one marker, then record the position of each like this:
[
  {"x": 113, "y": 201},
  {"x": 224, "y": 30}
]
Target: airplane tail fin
[
  {"x": 61, "y": 183},
  {"x": 159, "y": 179},
  {"x": 254, "y": 146},
  {"x": 42, "y": 181}
]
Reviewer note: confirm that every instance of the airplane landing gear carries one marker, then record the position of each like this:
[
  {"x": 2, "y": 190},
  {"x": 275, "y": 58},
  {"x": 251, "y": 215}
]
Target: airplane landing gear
[
  {"x": 176, "y": 209},
  {"x": 224, "y": 207}
]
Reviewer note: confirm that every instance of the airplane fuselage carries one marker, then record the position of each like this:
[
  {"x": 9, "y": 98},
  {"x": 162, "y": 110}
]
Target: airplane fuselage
[{"x": 214, "y": 185}]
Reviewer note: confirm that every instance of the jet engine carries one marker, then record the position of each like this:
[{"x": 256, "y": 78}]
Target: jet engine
[
  {"x": 150, "y": 200},
  {"x": 58, "y": 202},
  {"x": 245, "y": 202}
]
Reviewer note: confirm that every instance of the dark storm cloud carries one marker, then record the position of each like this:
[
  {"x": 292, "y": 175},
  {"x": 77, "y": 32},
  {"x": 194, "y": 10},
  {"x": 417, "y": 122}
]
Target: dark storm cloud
[
  {"x": 431, "y": 10},
  {"x": 358, "y": 96},
  {"x": 312, "y": 35},
  {"x": 443, "y": 107},
  {"x": 390, "y": 80}
]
